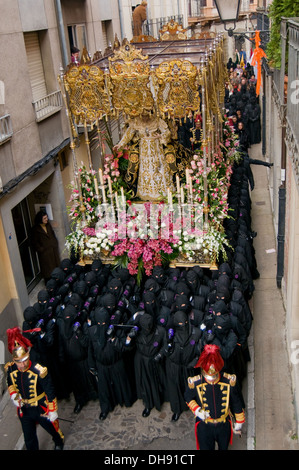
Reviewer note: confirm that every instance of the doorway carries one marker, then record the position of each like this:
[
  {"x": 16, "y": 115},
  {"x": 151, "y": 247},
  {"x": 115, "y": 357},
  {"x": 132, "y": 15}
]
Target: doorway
[{"x": 22, "y": 223}]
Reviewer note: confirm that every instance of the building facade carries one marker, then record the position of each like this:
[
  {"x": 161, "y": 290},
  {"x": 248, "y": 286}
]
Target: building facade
[
  {"x": 280, "y": 146},
  {"x": 35, "y": 163}
]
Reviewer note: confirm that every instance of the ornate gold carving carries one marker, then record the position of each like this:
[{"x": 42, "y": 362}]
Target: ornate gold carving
[
  {"x": 88, "y": 95},
  {"x": 129, "y": 74},
  {"x": 143, "y": 38},
  {"x": 177, "y": 83},
  {"x": 204, "y": 35},
  {"x": 172, "y": 31}
]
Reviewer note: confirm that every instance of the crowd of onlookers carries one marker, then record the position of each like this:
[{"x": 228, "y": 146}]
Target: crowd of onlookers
[{"x": 242, "y": 104}]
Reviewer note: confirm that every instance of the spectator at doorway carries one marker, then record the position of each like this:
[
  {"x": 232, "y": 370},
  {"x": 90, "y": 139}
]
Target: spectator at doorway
[{"x": 45, "y": 243}]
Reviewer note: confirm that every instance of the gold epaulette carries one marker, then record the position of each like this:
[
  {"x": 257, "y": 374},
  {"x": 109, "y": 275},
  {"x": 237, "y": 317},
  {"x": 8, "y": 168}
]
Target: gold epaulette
[
  {"x": 231, "y": 377},
  {"x": 191, "y": 380},
  {"x": 42, "y": 370},
  {"x": 7, "y": 365}
]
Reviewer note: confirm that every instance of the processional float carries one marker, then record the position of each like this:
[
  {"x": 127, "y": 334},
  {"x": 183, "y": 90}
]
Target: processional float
[{"x": 178, "y": 80}]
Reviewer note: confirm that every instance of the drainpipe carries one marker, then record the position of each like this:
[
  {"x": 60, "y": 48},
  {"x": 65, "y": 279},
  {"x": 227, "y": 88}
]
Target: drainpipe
[
  {"x": 121, "y": 19},
  {"x": 264, "y": 120},
  {"x": 281, "y": 215},
  {"x": 64, "y": 53}
]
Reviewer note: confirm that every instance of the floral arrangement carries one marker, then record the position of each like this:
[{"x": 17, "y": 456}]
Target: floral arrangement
[
  {"x": 144, "y": 245},
  {"x": 75, "y": 241},
  {"x": 87, "y": 201}
]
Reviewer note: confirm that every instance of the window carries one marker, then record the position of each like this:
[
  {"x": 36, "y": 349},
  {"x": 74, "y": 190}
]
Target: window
[
  {"x": 77, "y": 36},
  {"x": 45, "y": 104},
  {"x": 35, "y": 65}
]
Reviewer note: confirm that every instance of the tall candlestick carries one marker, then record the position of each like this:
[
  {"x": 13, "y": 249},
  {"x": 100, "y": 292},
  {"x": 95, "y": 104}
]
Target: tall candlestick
[
  {"x": 170, "y": 203},
  {"x": 182, "y": 195},
  {"x": 205, "y": 183},
  {"x": 109, "y": 185},
  {"x": 116, "y": 200},
  {"x": 103, "y": 193},
  {"x": 187, "y": 176}
]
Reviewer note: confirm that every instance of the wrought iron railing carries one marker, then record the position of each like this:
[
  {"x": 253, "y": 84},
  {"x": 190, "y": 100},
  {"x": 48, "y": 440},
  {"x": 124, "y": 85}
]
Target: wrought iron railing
[
  {"x": 5, "y": 128},
  {"x": 292, "y": 111},
  {"x": 194, "y": 8},
  {"x": 152, "y": 27},
  {"x": 48, "y": 105}
]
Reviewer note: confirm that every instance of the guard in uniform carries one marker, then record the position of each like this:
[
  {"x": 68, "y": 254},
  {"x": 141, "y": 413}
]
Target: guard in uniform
[
  {"x": 215, "y": 400},
  {"x": 32, "y": 392},
  {"x": 196, "y": 132}
]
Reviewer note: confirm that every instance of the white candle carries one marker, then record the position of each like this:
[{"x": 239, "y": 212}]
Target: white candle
[
  {"x": 178, "y": 184},
  {"x": 96, "y": 185},
  {"x": 122, "y": 195},
  {"x": 187, "y": 176},
  {"x": 103, "y": 193},
  {"x": 101, "y": 177}
]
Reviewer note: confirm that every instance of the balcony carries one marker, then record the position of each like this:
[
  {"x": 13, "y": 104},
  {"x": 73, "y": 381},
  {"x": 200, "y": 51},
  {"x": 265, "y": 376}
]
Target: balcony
[
  {"x": 47, "y": 106},
  {"x": 5, "y": 128},
  {"x": 152, "y": 27}
]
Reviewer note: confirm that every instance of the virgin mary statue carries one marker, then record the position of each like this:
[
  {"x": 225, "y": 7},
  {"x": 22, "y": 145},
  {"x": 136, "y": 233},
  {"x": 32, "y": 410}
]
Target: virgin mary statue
[{"x": 154, "y": 174}]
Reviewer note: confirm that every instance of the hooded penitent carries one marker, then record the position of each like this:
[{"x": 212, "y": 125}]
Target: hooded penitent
[
  {"x": 109, "y": 302},
  {"x": 146, "y": 324},
  {"x": 102, "y": 319},
  {"x": 69, "y": 315},
  {"x": 181, "y": 326}
]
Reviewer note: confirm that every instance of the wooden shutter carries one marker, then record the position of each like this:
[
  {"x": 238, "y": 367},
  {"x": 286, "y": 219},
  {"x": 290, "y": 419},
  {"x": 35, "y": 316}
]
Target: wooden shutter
[
  {"x": 105, "y": 39},
  {"x": 35, "y": 66}
]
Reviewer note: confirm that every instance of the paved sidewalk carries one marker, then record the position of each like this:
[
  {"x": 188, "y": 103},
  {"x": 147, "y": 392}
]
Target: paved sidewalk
[{"x": 275, "y": 426}]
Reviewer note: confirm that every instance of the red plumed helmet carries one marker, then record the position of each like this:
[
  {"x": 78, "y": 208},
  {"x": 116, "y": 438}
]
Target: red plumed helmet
[
  {"x": 17, "y": 344},
  {"x": 210, "y": 359}
]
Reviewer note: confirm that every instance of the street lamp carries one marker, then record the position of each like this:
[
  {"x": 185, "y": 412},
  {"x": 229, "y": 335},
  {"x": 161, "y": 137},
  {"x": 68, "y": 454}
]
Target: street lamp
[{"x": 228, "y": 11}]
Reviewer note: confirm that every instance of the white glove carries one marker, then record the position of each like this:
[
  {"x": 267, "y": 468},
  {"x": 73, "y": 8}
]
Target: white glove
[
  {"x": 238, "y": 428},
  {"x": 52, "y": 416},
  {"x": 201, "y": 414},
  {"x": 16, "y": 401}
]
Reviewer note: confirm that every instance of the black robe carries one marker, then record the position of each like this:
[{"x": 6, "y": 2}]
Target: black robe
[
  {"x": 149, "y": 364},
  {"x": 180, "y": 361},
  {"x": 73, "y": 353},
  {"x": 106, "y": 359},
  {"x": 254, "y": 123}
]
